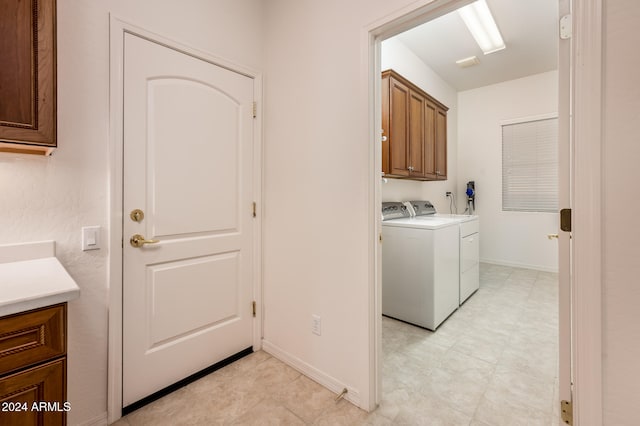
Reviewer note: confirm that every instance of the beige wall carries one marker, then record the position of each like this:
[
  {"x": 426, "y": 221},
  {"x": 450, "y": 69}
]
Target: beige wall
[{"x": 621, "y": 207}]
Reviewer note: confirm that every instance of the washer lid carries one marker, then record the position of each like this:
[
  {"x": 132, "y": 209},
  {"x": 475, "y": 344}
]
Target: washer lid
[
  {"x": 458, "y": 217},
  {"x": 421, "y": 222}
]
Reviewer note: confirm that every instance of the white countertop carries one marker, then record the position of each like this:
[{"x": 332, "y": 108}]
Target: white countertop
[{"x": 32, "y": 277}]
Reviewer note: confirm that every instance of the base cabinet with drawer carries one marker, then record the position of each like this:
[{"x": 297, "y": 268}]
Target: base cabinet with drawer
[{"x": 33, "y": 366}]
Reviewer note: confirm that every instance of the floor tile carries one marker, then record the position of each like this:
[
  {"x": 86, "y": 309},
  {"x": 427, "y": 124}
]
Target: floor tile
[
  {"x": 267, "y": 413},
  {"x": 521, "y": 390},
  {"x": 305, "y": 398},
  {"x": 342, "y": 414},
  {"x": 430, "y": 410},
  {"x": 492, "y": 363}
]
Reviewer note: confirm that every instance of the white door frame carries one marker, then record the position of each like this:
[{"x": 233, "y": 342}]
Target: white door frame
[
  {"x": 586, "y": 339},
  {"x": 118, "y": 28}
]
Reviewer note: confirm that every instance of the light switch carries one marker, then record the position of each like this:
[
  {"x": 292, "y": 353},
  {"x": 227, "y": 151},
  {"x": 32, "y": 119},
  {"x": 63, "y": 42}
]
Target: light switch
[{"x": 91, "y": 238}]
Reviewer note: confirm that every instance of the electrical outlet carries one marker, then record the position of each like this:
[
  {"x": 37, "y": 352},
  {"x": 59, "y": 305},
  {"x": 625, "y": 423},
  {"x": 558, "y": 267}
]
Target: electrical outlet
[
  {"x": 316, "y": 324},
  {"x": 448, "y": 194}
]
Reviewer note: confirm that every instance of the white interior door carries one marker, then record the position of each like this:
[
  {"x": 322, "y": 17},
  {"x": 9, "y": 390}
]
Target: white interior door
[
  {"x": 188, "y": 146},
  {"x": 564, "y": 201}
]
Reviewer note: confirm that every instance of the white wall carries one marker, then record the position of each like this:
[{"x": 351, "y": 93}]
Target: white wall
[
  {"x": 52, "y": 198},
  {"x": 395, "y": 55},
  {"x": 621, "y": 269},
  {"x": 317, "y": 231},
  {"x": 510, "y": 238}
]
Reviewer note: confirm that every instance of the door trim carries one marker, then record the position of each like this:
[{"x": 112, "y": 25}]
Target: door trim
[
  {"x": 586, "y": 298},
  {"x": 118, "y": 29},
  {"x": 371, "y": 38},
  {"x": 587, "y": 181}
]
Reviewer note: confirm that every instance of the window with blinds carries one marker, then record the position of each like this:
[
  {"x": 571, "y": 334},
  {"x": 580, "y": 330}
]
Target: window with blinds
[{"x": 530, "y": 166}]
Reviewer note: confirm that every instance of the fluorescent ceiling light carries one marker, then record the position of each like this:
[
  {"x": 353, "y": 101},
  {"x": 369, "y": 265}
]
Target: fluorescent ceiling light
[
  {"x": 483, "y": 28},
  {"x": 468, "y": 62}
]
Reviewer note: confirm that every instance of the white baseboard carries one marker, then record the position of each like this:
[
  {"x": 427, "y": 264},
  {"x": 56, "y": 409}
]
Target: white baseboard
[
  {"x": 334, "y": 385},
  {"x": 519, "y": 265},
  {"x": 100, "y": 420}
]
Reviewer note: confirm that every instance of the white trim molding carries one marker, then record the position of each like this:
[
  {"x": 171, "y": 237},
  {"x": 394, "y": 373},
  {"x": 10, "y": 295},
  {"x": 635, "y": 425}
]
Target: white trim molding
[
  {"x": 118, "y": 28},
  {"x": 318, "y": 376},
  {"x": 587, "y": 213}
]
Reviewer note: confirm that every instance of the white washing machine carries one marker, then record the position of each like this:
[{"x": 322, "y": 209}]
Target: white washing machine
[
  {"x": 420, "y": 267},
  {"x": 469, "y": 234}
]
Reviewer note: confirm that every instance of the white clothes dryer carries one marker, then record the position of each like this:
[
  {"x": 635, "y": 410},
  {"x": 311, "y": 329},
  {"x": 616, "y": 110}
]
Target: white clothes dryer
[{"x": 469, "y": 227}]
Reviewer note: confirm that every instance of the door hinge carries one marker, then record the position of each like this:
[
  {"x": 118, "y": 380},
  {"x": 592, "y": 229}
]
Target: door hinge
[
  {"x": 255, "y": 109},
  {"x": 565, "y": 27},
  {"x": 566, "y": 411},
  {"x": 565, "y": 220},
  {"x": 253, "y": 307},
  {"x": 254, "y": 209}
]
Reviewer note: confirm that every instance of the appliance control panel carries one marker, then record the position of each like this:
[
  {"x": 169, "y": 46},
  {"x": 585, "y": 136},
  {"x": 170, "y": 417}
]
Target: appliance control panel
[
  {"x": 394, "y": 210},
  {"x": 423, "y": 208}
]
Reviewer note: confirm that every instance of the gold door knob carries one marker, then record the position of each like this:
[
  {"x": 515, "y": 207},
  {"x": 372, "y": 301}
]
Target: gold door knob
[
  {"x": 138, "y": 241},
  {"x": 552, "y": 236}
]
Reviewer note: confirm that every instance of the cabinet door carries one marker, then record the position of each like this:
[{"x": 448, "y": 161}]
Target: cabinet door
[
  {"x": 43, "y": 386},
  {"x": 430, "y": 141},
  {"x": 398, "y": 126},
  {"x": 385, "y": 124},
  {"x": 416, "y": 134},
  {"x": 27, "y": 75},
  {"x": 441, "y": 144}
]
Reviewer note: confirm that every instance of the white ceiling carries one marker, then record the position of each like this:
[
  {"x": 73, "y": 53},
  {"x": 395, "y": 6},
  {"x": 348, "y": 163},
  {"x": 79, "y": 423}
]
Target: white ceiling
[{"x": 529, "y": 29}]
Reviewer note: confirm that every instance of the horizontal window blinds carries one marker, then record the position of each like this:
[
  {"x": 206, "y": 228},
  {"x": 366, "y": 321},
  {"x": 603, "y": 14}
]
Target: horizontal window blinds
[{"x": 530, "y": 166}]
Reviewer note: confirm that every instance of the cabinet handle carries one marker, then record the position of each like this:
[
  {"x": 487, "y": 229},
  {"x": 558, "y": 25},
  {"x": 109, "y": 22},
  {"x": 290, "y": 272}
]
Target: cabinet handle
[
  {"x": 410, "y": 168},
  {"x": 384, "y": 139}
]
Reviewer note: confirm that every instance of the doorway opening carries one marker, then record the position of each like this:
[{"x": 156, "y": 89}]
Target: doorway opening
[{"x": 506, "y": 333}]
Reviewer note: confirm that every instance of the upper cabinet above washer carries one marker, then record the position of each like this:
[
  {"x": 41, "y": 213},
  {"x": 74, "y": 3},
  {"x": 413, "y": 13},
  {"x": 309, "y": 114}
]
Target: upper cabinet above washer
[
  {"x": 28, "y": 76},
  {"x": 414, "y": 126}
]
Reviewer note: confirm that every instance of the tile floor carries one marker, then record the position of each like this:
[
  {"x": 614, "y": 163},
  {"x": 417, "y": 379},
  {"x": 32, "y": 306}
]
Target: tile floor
[{"x": 492, "y": 363}]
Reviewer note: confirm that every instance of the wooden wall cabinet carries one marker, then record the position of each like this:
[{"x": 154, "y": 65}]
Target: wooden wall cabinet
[
  {"x": 414, "y": 127},
  {"x": 33, "y": 363},
  {"x": 28, "y": 76}
]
